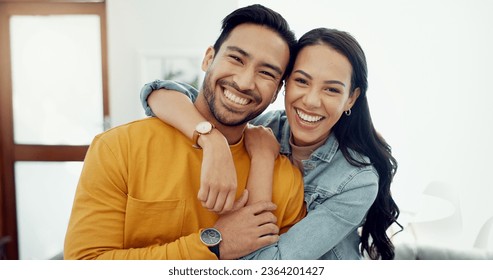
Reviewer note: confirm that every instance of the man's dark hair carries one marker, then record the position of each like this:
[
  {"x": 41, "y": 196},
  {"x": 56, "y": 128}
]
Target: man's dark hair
[{"x": 260, "y": 15}]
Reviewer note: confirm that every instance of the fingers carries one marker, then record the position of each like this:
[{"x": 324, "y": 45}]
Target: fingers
[
  {"x": 248, "y": 228},
  {"x": 268, "y": 229},
  {"x": 231, "y": 205},
  {"x": 218, "y": 204},
  {"x": 267, "y": 240},
  {"x": 203, "y": 194},
  {"x": 252, "y": 129},
  {"x": 230, "y": 200},
  {"x": 211, "y": 199},
  {"x": 262, "y": 206},
  {"x": 267, "y": 130},
  {"x": 265, "y": 218},
  {"x": 221, "y": 202},
  {"x": 241, "y": 202}
]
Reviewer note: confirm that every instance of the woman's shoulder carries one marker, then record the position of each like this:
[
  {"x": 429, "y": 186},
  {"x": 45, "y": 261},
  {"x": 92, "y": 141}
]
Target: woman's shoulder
[
  {"x": 275, "y": 120},
  {"x": 270, "y": 118},
  {"x": 338, "y": 174}
]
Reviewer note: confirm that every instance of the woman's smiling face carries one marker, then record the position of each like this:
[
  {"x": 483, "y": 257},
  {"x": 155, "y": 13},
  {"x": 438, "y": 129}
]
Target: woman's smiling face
[{"x": 318, "y": 93}]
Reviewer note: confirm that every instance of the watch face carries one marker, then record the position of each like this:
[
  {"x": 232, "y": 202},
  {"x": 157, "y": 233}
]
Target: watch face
[
  {"x": 204, "y": 127},
  {"x": 210, "y": 236}
]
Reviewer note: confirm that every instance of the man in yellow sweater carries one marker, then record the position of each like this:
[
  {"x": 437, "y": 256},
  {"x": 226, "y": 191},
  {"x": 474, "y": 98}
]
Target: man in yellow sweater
[{"x": 137, "y": 194}]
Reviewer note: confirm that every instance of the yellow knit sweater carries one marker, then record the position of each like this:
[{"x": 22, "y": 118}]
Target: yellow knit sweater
[{"x": 136, "y": 197}]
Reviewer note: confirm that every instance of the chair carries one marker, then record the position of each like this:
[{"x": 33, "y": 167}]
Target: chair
[
  {"x": 485, "y": 235},
  {"x": 406, "y": 251},
  {"x": 439, "y": 221}
]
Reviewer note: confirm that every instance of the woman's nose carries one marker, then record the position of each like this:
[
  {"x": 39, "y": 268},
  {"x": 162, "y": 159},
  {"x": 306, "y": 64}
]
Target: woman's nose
[{"x": 311, "y": 99}]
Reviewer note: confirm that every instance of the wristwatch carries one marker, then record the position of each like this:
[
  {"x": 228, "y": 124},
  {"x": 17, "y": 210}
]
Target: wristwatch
[
  {"x": 211, "y": 238},
  {"x": 202, "y": 128}
]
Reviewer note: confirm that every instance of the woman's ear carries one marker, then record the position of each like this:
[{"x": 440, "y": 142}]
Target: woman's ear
[
  {"x": 352, "y": 98},
  {"x": 208, "y": 58}
]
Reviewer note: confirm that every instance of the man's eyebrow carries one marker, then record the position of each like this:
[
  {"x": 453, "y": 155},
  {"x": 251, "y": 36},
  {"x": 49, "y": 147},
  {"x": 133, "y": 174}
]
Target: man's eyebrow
[
  {"x": 244, "y": 53},
  {"x": 325, "y": 82},
  {"x": 273, "y": 67},
  {"x": 237, "y": 49}
]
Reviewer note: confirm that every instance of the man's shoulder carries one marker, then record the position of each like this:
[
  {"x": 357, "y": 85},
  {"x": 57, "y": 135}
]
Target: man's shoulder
[
  {"x": 142, "y": 128},
  {"x": 148, "y": 123},
  {"x": 285, "y": 170}
]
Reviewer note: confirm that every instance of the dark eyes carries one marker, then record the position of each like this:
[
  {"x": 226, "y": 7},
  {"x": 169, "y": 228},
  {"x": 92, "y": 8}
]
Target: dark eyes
[
  {"x": 268, "y": 74},
  {"x": 334, "y": 90},
  {"x": 301, "y": 81},
  {"x": 263, "y": 72},
  {"x": 236, "y": 58},
  {"x": 304, "y": 82}
]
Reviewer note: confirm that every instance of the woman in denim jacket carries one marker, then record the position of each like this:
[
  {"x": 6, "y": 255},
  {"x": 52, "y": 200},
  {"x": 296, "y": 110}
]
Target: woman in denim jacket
[{"x": 326, "y": 131}]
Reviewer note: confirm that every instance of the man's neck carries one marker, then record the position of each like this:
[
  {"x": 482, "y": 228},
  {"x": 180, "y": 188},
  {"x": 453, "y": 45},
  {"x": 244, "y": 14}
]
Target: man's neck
[{"x": 232, "y": 133}]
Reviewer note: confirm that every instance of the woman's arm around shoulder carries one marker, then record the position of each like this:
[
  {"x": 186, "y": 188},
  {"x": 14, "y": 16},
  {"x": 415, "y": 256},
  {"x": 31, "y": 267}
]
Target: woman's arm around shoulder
[{"x": 172, "y": 103}]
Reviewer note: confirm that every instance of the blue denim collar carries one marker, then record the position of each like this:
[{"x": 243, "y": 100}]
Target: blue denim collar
[
  {"x": 325, "y": 152},
  {"x": 285, "y": 135}
]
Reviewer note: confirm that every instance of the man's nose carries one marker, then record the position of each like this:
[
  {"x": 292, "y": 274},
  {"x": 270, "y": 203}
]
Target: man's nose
[{"x": 245, "y": 79}]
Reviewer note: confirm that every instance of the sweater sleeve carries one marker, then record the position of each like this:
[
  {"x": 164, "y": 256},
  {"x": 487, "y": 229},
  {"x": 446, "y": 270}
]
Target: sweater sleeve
[
  {"x": 98, "y": 218},
  {"x": 148, "y": 88}
]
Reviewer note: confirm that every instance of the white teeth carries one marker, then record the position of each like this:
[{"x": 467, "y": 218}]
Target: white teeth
[
  {"x": 308, "y": 118},
  {"x": 236, "y": 99}
]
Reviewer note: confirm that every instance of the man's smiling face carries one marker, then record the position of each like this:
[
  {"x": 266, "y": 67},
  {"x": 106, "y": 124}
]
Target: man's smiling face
[{"x": 244, "y": 76}]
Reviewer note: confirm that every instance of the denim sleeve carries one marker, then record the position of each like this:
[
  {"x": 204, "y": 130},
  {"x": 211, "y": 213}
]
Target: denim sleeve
[
  {"x": 326, "y": 225},
  {"x": 275, "y": 120},
  {"x": 148, "y": 88}
]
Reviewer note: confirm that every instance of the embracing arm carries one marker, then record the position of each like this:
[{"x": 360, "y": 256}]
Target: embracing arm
[
  {"x": 326, "y": 224},
  {"x": 263, "y": 149},
  {"x": 171, "y": 102}
]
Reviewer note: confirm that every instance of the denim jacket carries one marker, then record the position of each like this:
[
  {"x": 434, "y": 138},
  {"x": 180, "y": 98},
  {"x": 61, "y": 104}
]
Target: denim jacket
[{"x": 337, "y": 194}]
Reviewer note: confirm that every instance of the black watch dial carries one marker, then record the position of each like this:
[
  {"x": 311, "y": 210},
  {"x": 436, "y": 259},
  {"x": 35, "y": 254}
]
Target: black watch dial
[{"x": 210, "y": 236}]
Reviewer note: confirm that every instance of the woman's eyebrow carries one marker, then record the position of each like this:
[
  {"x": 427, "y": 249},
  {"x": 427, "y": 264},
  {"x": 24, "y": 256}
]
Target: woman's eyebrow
[{"x": 325, "y": 82}]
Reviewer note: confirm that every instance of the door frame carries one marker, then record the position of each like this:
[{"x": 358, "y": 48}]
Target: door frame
[{"x": 11, "y": 152}]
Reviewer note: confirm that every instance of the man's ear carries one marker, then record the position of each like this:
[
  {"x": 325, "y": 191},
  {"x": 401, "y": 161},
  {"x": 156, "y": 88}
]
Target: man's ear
[
  {"x": 208, "y": 58},
  {"x": 277, "y": 92}
]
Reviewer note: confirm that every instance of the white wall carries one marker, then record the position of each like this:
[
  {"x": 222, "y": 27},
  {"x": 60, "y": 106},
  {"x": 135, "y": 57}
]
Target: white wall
[
  {"x": 429, "y": 62},
  {"x": 136, "y": 26}
]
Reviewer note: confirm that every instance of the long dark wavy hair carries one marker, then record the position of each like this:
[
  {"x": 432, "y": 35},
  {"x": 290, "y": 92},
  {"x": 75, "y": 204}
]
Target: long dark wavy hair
[{"x": 356, "y": 132}]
